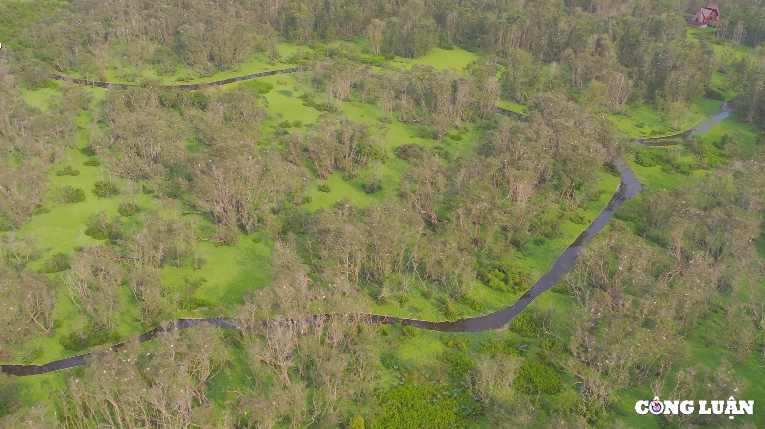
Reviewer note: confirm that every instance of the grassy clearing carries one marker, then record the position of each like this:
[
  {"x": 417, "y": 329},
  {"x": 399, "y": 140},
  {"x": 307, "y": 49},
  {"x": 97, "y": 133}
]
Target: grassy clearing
[
  {"x": 654, "y": 179},
  {"x": 231, "y": 273},
  {"x": 744, "y": 135},
  {"x": 438, "y": 58},
  {"x": 512, "y": 105}
]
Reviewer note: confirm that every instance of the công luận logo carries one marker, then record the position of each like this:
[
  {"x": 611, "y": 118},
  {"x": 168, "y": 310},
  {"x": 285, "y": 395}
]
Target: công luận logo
[{"x": 731, "y": 407}]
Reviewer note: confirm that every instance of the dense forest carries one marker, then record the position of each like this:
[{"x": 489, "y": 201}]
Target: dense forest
[{"x": 423, "y": 159}]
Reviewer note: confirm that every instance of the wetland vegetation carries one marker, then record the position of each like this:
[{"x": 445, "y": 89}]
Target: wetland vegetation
[{"x": 382, "y": 180}]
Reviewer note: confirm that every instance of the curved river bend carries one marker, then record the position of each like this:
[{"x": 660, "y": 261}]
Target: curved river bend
[{"x": 628, "y": 187}]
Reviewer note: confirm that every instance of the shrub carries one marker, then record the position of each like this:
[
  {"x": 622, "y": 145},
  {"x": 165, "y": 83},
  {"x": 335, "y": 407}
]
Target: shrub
[
  {"x": 648, "y": 157},
  {"x": 40, "y": 209},
  {"x": 525, "y": 325},
  {"x": 357, "y": 422},
  {"x": 260, "y": 86},
  {"x": 534, "y": 377},
  {"x": 88, "y": 151},
  {"x": 470, "y": 302},
  {"x": 373, "y": 60},
  {"x": 459, "y": 342},
  {"x": 578, "y": 219},
  {"x": 459, "y": 363},
  {"x": 128, "y": 209},
  {"x": 425, "y": 406},
  {"x": 324, "y": 188},
  {"x": 497, "y": 346},
  {"x": 59, "y": 262},
  {"x": 713, "y": 94},
  {"x": 503, "y": 276},
  {"x": 411, "y": 331},
  {"x": 442, "y": 152},
  {"x": 89, "y": 338},
  {"x": 92, "y": 162},
  {"x": 724, "y": 140},
  {"x": 371, "y": 183},
  {"x": 410, "y": 152},
  {"x": 100, "y": 228},
  {"x": 68, "y": 171},
  {"x": 193, "y": 303},
  {"x": 610, "y": 168},
  {"x": 450, "y": 311},
  {"x": 106, "y": 189},
  {"x": 68, "y": 194}
]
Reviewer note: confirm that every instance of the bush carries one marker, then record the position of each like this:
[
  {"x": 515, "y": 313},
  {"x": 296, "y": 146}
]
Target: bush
[
  {"x": 410, "y": 152},
  {"x": 106, "y": 189},
  {"x": 88, "y": 151},
  {"x": 470, "y": 302},
  {"x": 525, "y": 325},
  {"x": 68, "y": 171},
  {"x": 68, "y": 194},
  {"x": 648, "y": 157},
  {"x": 59, "y": 262},
  {"x": 411, "y": 331},
  {"x": 450, "y": 311},
  {"x": 100, "y": 228},
  {"x": 496, "y": 346},
  {"x": 503, "y": 276},
  {"x": 425, "y": 406},
  {"x": 128, "y": 209},
  {"x": 724, "y": 140},
  {"x": 92, "y": 162},
  {"x": 357, "y": 422},
  {"x": 193, "y": 303},
  {"x": 713, "y": 94},
  {"x": 260, "y": 86},
  {"x": 373, "y": 60},
  {"x": 40, "y": 209},
  {"x": 371, "y": 184},
  {"x": 442, "y": 152},
  {"x": 578, "y": 219},
  {"x": 324, "y": 188},
  {"x": 459, "y": 363},
  {"x": 534, "y": 377},
  {"x": 89, "y": 338},
  {"x": 459, "y": 342}
]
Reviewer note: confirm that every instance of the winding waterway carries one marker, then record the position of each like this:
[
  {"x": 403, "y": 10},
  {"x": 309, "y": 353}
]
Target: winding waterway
[
  {"x": 629, "y": 186},
  {"x": 700, "y": 128}
]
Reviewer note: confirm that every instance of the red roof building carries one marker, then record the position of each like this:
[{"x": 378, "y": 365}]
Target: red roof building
[{"x": 704, "y": 15}]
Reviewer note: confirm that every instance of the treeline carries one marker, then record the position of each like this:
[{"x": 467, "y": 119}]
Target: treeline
[
  {"x": 640, "y": 54},
  {"x": 747, "y": 78}
]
